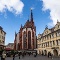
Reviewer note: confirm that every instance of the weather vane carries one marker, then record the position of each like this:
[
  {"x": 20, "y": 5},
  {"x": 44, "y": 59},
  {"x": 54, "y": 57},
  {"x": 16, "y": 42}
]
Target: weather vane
[{"x": 31, "y": 8}]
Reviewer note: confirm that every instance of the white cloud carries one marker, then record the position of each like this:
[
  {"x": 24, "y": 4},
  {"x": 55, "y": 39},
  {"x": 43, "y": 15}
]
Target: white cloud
[
  {"x": 15, "y": 6},
  {"x": 54, "y": 7}
]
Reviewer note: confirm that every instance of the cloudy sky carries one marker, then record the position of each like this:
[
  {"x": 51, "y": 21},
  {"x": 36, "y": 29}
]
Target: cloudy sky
[{"x": 13, "y": 13}]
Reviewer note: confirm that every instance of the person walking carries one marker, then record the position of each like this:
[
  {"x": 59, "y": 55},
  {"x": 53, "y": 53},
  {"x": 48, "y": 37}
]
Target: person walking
[
  {"x": 23, "y": 55},
  {"x": 48, "y": 54},
  {"x": 13, "y": 56},
  {"x": 51, "y": 56},
  {"x": 3, "y": 55},
  {"x": 19, "y": 55},
  {"x": 34, "y": 54}
]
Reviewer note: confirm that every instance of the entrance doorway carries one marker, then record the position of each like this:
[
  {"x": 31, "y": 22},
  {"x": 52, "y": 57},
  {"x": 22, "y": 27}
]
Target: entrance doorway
[
  {"x": 45, "y": 52},
  {"x": 55, "y": 52}
]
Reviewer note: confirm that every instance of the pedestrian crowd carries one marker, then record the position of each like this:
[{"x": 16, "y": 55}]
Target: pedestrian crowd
[
  {"x": 19, "y": 54},
  {"x": 23, "y": 54}
]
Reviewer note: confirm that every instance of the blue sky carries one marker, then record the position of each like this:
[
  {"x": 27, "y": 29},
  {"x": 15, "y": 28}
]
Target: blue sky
[{"x": 17, "y": 13}]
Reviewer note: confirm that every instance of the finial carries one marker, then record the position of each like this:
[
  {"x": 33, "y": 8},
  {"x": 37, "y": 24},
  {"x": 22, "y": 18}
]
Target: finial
[
  {"x": 57, "y": 21},
  {"x": 28, "y": 17},
  {"x": 21, "y": 25},
  {"x": 15, "y": 32},
  {"x": 30, "y": 8},
  {"x": 46, "y": 27}
]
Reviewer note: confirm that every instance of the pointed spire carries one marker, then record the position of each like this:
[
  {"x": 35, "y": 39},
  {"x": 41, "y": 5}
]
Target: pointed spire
[
  {"x": 15, "y": 32},
  {"x": 31, "y": 18},
  {"x": 28, "y": 20},
  {"x": 15, "y": 35},
  {"x": 21, "y": 25}
]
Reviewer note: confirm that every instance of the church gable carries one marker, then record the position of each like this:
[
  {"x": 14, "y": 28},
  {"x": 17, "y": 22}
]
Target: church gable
[
  {"x": 29, "y": 24},
  {"x": 39, "y": 36},
  {"x": 47, "y": 31},
  {"x": 57, "y": 26}
]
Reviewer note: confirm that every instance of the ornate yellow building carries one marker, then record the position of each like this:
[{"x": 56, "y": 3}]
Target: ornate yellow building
[{"x": 49, "y": 41}]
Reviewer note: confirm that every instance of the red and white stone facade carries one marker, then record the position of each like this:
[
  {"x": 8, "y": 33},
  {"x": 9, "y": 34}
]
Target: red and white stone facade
[{"x": 25, "y": 39}]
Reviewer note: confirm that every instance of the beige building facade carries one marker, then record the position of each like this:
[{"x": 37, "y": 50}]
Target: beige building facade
[
  {"x": 10, "y": 46},
  {"x": 2, "y": 38},
  {"x": 49, "y": 41}
]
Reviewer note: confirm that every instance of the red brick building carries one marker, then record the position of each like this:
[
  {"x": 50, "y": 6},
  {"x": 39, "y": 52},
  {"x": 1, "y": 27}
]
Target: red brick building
[{"x": 25, "y": 39}]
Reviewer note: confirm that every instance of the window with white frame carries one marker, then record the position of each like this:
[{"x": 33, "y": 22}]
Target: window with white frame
[
  {"x": 56, "y": 42},
  {"x": 52, "y": 35},
  {"x": 53, "y": 42}
]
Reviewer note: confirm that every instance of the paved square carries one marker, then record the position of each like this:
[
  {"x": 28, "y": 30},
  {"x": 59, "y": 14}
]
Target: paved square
[{"x": 31, "y": 57}]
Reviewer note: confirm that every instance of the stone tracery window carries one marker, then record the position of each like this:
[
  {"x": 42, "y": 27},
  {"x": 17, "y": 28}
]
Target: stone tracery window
[
  {"x": 29, "y": 40},
  {"x": 24, "y": 40}
]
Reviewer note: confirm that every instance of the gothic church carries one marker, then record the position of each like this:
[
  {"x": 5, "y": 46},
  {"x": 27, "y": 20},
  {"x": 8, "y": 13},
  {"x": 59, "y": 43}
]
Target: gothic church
[{"x": 25, "y": 39}]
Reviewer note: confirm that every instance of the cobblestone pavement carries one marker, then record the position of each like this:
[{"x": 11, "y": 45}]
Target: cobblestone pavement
[{"x": 31, "y": 57}]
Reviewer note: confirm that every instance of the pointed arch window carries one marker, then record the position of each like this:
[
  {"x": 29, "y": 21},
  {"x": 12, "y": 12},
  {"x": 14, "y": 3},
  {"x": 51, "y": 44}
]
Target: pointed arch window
[
  {"x": 24, "y": 40},
  {"x": 29, "y": 40}
]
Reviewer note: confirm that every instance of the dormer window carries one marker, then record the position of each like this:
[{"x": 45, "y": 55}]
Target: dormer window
[
  {"x": 52, "y": 35},
  {"x": 58, "y": 26},
  {"x": 1, "y": 31}
]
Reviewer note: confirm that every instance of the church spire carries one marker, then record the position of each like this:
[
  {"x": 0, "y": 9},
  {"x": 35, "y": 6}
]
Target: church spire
[
  {"x": 21, "y": 25},
  {"x": 31, "y": 18},
  {"x": 15, "y": 33}
]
